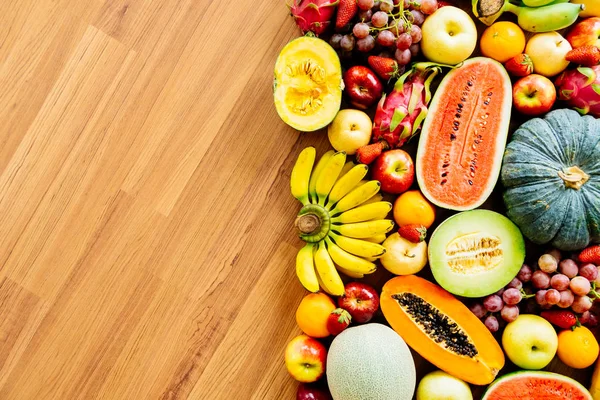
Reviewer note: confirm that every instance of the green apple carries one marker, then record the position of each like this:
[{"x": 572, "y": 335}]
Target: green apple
[
  {"x": 350, "y": 130},
  {"x": 449, "y": 36},
  {"x": 548, "y": 51},
  {"x": 438, "y": 385},
  {"x": 403, "y": 257},
  {"x": 530, "y": 341}
]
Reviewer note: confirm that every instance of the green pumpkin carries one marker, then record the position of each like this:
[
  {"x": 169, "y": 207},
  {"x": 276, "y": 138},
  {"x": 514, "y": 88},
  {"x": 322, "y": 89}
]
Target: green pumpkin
[{"x": 551, "y": 173}]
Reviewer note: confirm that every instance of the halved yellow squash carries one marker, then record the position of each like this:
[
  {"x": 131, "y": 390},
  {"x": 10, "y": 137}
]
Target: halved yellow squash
[{"x": 308, "y": 84}]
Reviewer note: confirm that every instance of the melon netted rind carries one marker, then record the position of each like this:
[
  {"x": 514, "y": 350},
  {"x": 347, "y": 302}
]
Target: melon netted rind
[
  {"x": 307, "y": 84},
  {"x": 465, "y": 282},
  {"x": 536, "y": 197},
  {"x": 563, "y": 388},
  {"x": 370, "y": 362},
  {"x": 431, "y": 174}
]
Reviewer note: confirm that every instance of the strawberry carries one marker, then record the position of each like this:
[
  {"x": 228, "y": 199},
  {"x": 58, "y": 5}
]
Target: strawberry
[
  {"x": 338, "y": 320},
  {"x": 413, "y": 232},
  {"x": 519, "y": 65},
  {"x": 561, "y": 318},
  {"x": 367, "y": 154},
  {"x": 347, "y": 9},
  {"x": 387, "y": 68},
  {"x": 590, "y": 255},
  {"x": 588, "y": 55}
]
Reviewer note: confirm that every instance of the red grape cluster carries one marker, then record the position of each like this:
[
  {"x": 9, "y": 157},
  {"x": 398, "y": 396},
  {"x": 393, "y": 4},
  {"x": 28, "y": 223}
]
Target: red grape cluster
[
  {"x": 505, "y": 301},
  {"x": 565, "y": 284},
  {"x": 389, "y": 28},
  {"x": 555, "y": 282}
]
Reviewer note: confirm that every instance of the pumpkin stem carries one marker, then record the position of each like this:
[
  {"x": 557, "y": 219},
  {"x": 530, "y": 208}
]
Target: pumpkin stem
[
  {"x": 308, "y": 223},
  {"x": 573, "y": 177}
]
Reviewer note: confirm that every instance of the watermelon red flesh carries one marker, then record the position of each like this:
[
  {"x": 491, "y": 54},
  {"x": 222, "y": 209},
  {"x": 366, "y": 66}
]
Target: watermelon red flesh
[
  {"x": 464, "y": 135},
  {"x": 535, "y": 385}
]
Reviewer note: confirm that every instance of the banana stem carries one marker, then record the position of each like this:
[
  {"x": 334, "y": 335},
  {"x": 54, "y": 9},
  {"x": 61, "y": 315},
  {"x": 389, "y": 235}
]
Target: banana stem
[
  {"x": 308, "y": 224},
  {"x": 511, "y": 8}
]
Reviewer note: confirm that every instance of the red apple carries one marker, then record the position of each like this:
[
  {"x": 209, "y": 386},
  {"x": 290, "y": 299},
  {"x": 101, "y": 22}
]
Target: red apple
[
  {"x": 585, "y": 32},
  {"x": 534, "y": 95},
  {"x": 305, "y": 359},
  {"x": 395, "y": 170},
  {"x": 362, "y": 86},
  {"x": 311, "y": 392},
  {"x": 360, "y": 300}
]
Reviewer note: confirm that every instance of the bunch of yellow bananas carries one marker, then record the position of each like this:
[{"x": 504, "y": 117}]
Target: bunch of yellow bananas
[{"x": 342, "y": 221}]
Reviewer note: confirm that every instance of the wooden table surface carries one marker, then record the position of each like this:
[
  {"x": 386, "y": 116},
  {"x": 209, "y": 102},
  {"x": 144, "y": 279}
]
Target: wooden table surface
[{"x": 146, "y": 240}]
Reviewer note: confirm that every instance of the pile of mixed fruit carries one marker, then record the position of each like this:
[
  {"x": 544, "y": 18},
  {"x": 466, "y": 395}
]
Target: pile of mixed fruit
[{"x": 422, "y": 136}]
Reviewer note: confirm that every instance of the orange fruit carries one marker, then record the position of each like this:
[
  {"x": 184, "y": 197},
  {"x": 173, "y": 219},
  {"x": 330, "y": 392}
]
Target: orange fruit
[
  {"x": 577, "y": 348},
  {"x": 412, "y": 208},
  {"x": 312, "y": 314},
  {"x": 502, "y": 41}
]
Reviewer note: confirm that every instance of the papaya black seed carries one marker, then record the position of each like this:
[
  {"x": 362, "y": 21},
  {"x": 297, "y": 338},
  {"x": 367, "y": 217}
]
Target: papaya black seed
[{"x": 436, "y": 325}]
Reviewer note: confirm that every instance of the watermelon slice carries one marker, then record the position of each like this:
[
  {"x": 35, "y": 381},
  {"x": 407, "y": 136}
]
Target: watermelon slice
[{"x": 535, "y": 385}]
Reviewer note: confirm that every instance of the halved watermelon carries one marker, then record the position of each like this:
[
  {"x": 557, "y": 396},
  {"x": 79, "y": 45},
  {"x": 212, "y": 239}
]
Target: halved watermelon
[
  {"x": 535, "y": 385},
  {"x": 464, "y": 135}
]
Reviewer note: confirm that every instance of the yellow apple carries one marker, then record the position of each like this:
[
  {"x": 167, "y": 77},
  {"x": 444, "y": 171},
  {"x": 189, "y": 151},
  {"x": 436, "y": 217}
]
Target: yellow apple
[
  {"x": 530, "y": 342},
  {"x": 592, "y": 8},
  {"x": 438, "y": 385},
  {"x": 403, "y": 257},
  {"x": 548, "y": 51},
  {"x": 449, "y": 36},
  {"x": 350, "y": 130}
]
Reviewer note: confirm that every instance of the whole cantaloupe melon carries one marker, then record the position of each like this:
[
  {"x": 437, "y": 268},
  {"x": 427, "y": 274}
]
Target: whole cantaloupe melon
[{"x": 370, "y": 362}]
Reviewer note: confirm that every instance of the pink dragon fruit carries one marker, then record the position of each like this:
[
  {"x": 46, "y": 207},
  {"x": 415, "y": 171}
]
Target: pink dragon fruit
[
  {"x": 400, "y": 114},
  {"x": 580, "y": 88},
  {"x": 313, "y": 15}
]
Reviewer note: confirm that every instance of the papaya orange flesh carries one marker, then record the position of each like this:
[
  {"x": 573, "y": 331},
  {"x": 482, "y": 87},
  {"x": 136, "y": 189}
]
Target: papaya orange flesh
[{"x": 441, "y": 329}]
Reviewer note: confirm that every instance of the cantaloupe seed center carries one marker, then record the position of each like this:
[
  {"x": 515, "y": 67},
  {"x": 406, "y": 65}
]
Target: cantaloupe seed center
[
  {"x": 474, "y": 252},
  {"x": 441, "y": 329}
]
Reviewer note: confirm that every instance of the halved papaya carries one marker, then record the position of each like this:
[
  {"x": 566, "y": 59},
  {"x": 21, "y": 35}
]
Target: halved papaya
[{"x": 441, "y": 329}]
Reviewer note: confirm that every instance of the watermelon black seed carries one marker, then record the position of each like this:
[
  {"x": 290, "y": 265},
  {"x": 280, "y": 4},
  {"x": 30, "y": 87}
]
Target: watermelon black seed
[
  {"x": 470, "y": 182},
  {"x": 444, "y": 174},
  {"x": 463, "y": 99},
  {"x": 486, "y": 102},
  {"x": 469, "y": 83},
  {"x": 455, "y": 128},
  {"x": 443, "y": 182},
  {"x": 460, "y": 105},
  {"x": 490, "y": 94},
  {"x": 453, "y": 136},
  {"x": 436, "y": 325}
]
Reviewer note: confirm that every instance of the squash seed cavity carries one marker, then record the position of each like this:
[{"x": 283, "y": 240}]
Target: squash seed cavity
[
  {"x": 438, "y": 326},
  {"x": 307, "y": 86},
  {"x": 474, "y": 252}
]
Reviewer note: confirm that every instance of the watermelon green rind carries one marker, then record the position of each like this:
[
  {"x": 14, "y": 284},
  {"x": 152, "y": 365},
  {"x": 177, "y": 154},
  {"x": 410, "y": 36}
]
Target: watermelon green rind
[
  {"x": 436, "y": 108},
  {"x": 529, "y": 388},
  {"x": 536, "y": 198}
]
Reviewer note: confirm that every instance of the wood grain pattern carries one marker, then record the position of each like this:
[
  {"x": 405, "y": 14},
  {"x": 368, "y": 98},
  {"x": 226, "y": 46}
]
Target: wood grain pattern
[{"x": 146, "y": 241}]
